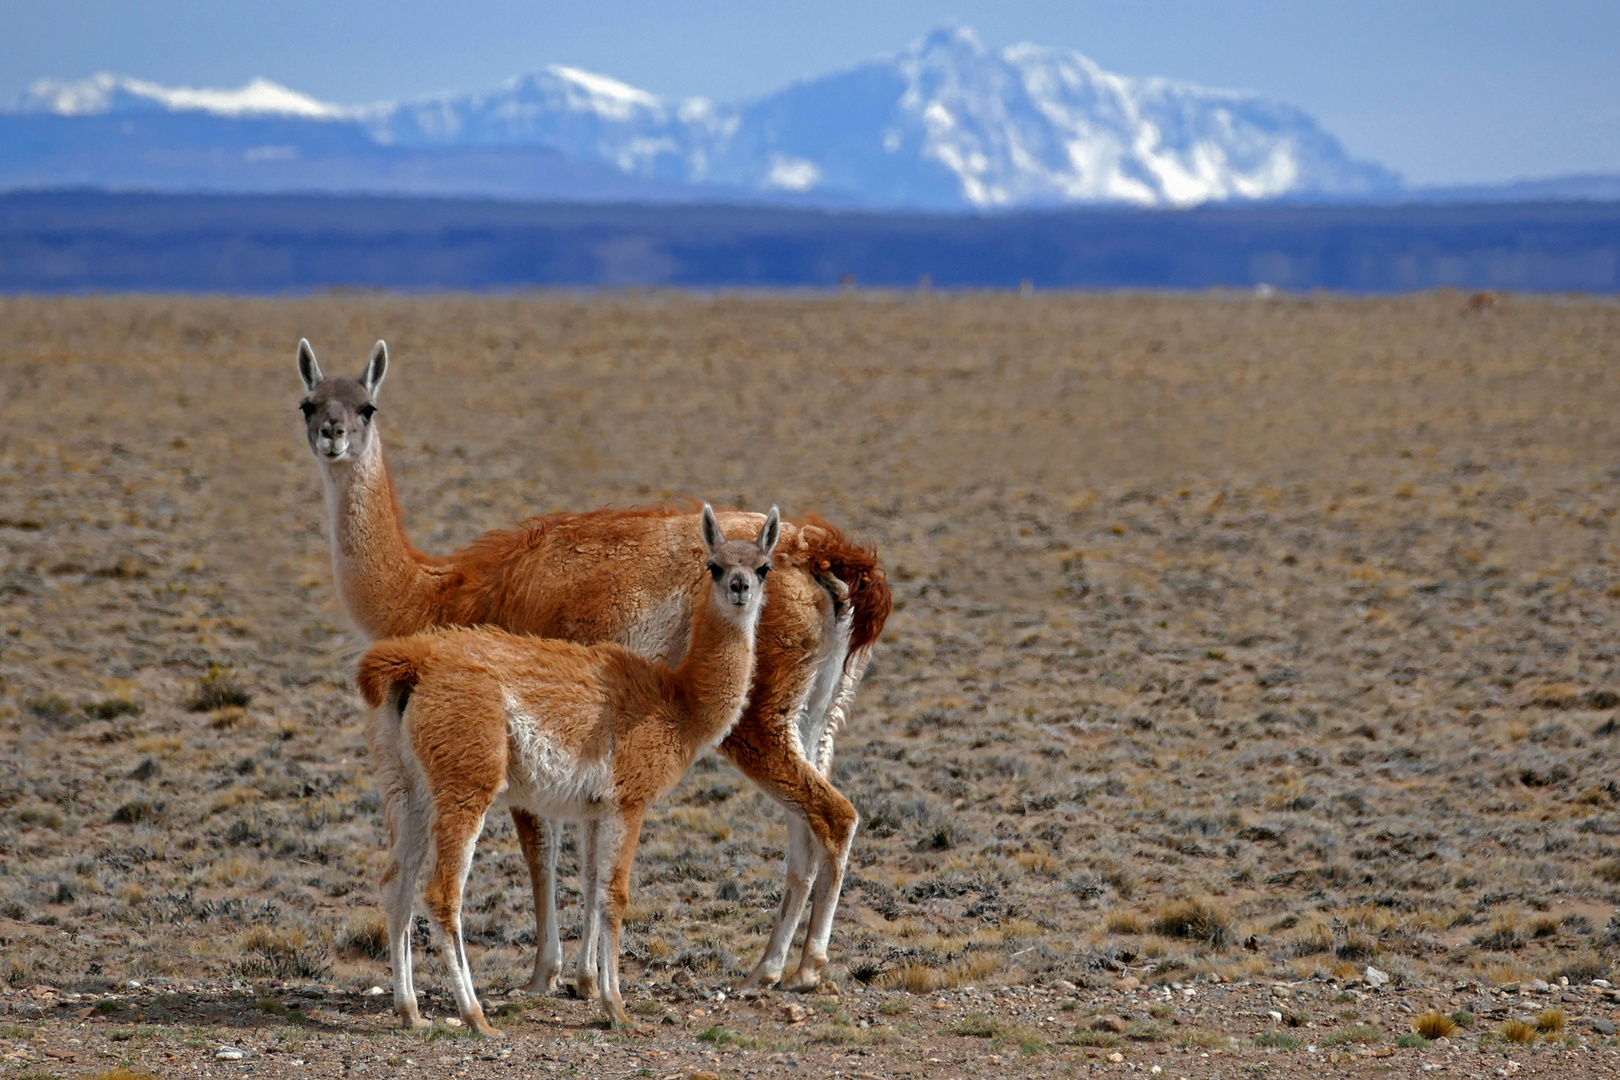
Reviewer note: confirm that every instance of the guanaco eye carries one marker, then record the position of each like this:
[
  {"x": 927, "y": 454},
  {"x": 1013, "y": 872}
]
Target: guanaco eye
[
  {"x": 307, "y": 408},
  {"x": 762, "y": 571},
  {"x": 716, "y": 571},
  {"x": 366, "y": 412}
]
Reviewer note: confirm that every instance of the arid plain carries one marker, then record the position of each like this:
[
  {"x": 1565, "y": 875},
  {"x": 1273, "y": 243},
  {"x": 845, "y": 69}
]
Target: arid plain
[{"x": 1240, "y": 646}]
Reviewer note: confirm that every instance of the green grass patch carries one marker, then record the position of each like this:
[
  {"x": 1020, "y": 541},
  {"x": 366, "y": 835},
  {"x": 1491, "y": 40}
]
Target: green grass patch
[
  {"x": 1087, "y": 1037},
  {"x": 980, "y": 1026},
  {"x": 1207, "y": 1040},
  {"x": 1355, "y": 1034},
  {"x": 1412, "y": 1041},
  {"x": 1279, "y": 1040}
]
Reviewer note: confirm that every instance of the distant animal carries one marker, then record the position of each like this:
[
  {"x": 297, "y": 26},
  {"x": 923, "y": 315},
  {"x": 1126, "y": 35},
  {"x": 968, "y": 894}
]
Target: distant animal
[
  {"x": 464, "y": 719},
  {"x": 631, "y": 577},
  {"x": 1483, "y": 301}
]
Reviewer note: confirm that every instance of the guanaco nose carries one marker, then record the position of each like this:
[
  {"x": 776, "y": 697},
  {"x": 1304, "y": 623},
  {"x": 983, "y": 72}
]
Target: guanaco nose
[
  {"x": 333, "y": 429},
  {"x": 738, "y": 587}
]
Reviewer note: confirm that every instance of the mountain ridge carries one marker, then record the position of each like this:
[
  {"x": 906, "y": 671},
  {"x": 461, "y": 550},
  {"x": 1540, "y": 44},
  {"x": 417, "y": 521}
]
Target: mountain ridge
[{"x": 945, "y": 124}]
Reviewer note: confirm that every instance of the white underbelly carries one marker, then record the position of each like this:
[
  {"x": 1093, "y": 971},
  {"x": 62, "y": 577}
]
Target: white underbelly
[{"x": 549, "y": 780}]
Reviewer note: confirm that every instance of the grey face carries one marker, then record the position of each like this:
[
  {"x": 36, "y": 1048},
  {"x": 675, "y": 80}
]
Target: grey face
[
  {"x": 338, "y": 411},
  {"x": 738, "y": 567}
]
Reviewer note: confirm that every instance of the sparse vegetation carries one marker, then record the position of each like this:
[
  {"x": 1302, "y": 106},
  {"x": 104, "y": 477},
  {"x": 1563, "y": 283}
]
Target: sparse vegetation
[
  {"x": 268, "y": 953},
  {"x": 113, "y": 708},
  {"x": 1200, "y": 920},
  {"x": 1517, "y": 1031},
  {"x": 1278, "y": 1040},
  {"x": 1434, "y": 1025},
  {"x": 1206, "y": 604},
  {"x": 1358, "y": 1034},
  {"x": 367, "y": 938},
  {"x": 218, "y": 689}
]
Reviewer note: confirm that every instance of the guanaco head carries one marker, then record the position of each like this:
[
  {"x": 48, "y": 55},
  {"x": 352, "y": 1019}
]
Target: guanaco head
[
  {"x": 338, "y": 411},
  {"x": 738, "y": 567}
]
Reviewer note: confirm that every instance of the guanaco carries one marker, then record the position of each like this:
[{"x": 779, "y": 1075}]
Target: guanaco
[
  {"x": 632, "y": 577},
  {"x": 464, "y": 719}
]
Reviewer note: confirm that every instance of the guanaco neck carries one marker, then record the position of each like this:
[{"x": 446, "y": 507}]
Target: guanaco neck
[
  {"x": 715, "y": 675},
  {"x": 380, "y": 576}
]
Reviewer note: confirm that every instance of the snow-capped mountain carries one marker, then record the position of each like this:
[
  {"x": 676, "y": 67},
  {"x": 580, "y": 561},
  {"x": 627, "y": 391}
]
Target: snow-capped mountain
[
  {"x": 105, "y": 93},
  {"x": 947, "y": 124}
]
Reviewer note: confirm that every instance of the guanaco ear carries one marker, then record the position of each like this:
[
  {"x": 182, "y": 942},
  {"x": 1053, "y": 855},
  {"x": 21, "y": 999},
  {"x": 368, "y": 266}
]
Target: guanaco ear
[
  {"x": 308, "y": 369},
  {"x": 711, "y": 528},
  {"x": 771, "y": 533},
  {"x": 376, "y": 368}
]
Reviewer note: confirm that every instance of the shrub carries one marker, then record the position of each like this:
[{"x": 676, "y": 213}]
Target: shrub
[
  {"x": 1517, "y": 1031},
  {"x": 1583, "y": 968},
  {"x": 944, "y": 836},
  {"x": 920, "y": 978},
  {"x": 1550, "y": 1022},
  {"x": 133, "y": 813},
  {"x": 1504, "y": 936},
  {"x": 1087, "y": 1037},
  {"x": 1280, "y": 1040},
  {"x": 53, "y": 710},
  {"x": 1362, "y": 1034},
  {"x": 1463, "y": 1017},
  {"x": 218, "y": 689},
  {"x": 1196, "y": 919},
  {"x": 367, "y": 938},
  {"x": 1411, "y": 1041},
  {"x": 1434, "y": 1025},
  {"x": 281, "y": 954},
  {"x": 1124, "y": 921},
  {"x": 981, "y": 1026},
  {"x": 113, "y": 708}
]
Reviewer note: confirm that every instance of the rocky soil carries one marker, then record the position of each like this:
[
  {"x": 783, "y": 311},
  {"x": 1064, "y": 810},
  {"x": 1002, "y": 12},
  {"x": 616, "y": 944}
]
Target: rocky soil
[{"x": 1249, "y": 706}]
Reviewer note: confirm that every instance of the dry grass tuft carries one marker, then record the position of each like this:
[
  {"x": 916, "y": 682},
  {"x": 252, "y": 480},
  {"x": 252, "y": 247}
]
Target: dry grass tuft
[
  {"x": 920, "y": 978},
  {"x": 1551, "y": 1021},
  {"x": 1200, "y": 920},
  {"x": 1124, "y": 921},
  {"x": 269, "y": 953},
  {"x": 366, "y": 938},
  {"x": 1356, "y": 1034},
  {"x": 1434, "y": 1025},
  {"x": 218, "y": 689},
  {"x": 1517, "y": 1031}
]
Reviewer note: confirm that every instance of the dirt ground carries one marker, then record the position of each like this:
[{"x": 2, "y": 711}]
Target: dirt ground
[{"x": 1249, "y": 702}]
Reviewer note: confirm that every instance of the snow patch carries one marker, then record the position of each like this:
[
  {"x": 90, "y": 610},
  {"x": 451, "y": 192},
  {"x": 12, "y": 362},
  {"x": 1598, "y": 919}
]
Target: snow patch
[
  {"x": 605, "y": 96},
  {"x": 103, "y": 93}
]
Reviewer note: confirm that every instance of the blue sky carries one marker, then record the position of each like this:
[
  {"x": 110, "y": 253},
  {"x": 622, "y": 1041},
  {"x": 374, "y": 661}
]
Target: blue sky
[{"x": 1444, "y": 91}]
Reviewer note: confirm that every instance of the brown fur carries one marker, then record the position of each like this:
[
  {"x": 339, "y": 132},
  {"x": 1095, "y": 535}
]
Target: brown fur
[{"x": 594, "y": 732}]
